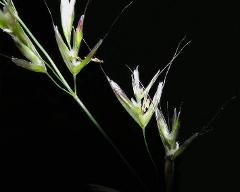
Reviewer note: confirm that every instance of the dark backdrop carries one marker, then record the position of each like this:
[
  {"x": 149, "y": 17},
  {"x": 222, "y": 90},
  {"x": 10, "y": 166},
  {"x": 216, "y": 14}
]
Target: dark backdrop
[{"x": 49, "y": 143}]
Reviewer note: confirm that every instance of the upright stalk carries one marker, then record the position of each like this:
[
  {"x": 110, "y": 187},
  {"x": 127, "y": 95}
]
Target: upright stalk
[
  {"x": 75, "y": 83},
  {"x": 76, "y": 98},
  {"x": 46, "y": 54},
  {"x": 169, "y": 174},
  {"x": 151, "y": 157},
  {"x": 149, "y": 153}
]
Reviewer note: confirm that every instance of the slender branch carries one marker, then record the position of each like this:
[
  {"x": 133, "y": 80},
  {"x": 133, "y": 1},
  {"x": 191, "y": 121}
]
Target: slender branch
[
  {"x": 75, "y": 84},
  {"x": 53, "y": 71},
  {"x": 150, "y": 155},
  {"x": 77, "y": 99},
  {"x": 46, "y": 54},
  {"x": 169, "y": 174},
  {"x": 70, "y": 91},
  {"x": 50, "y": 77},
  {"x": 148, "y": 150}
]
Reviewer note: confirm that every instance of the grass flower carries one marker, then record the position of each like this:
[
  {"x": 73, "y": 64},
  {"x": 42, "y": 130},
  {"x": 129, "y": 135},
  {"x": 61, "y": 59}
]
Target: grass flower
[
  {"x": 69, "y": 51},
  {"x": 141, "y": 107},
  {"x": 173, "y": 149},
  {"x": 169, "y": 134},
  {"x": 67, "y": 17},
  {"x": 10, "y": 25}
]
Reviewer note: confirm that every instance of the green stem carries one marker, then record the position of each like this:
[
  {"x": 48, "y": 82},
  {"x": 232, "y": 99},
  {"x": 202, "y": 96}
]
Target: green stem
[
  {"x": 148, "y": 150},
  {"x": 46, "y": 54},
  {"x": 169, "y": 174},
  {"x": 75, "y": 84},
  {"x": 59, "y": 86},
  {"x": 150, "y": 155},
  {"x": 64, "y": 82},
  {"x": 109, "y": 140},
  {"x": 53, "y": 71}
]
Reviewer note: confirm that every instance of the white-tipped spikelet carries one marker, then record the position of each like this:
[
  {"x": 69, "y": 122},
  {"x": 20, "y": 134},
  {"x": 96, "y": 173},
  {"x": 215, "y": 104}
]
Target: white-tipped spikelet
[
  {"x": 70, "y": 50},
  {"x": 9, "y": 24},
  {"x": 67, "y": 18},
  {"x": 169, "y": 134},
  {"x": 142, "y": 107}
]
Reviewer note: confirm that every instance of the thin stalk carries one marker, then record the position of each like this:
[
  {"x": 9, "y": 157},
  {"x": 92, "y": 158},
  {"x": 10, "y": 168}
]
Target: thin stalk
[
  {"x": 77, "y": 99},
  {"x": 75, "y": 84},
  {"x": 148, "y": 150},
  {"x": 46, "y": 54},
  {"x": 53, "y": 71},
  {"x": 169, "y": 174},
  {"x": 150, "y": 154},
  {"x": 59, "y": 86}
]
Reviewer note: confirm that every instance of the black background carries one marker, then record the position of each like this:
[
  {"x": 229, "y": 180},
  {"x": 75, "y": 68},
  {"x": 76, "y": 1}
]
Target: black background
[{"x": 49, "y": 143}]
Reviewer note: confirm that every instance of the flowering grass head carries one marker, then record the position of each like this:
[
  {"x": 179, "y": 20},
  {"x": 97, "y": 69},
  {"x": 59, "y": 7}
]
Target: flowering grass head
[
  {"x": 70, "y": 50},
  {"x": 169, "y": 134},
  {"x": 141, "y": 107},
  {"x": 9, "y": 24}
]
